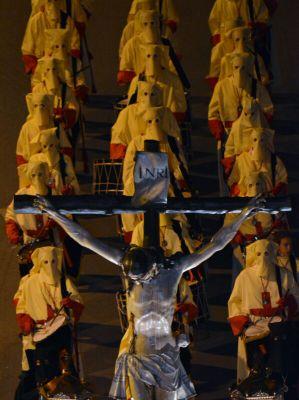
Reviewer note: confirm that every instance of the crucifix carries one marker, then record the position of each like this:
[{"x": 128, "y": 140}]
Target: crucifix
[{"x": 148, "y": 365}]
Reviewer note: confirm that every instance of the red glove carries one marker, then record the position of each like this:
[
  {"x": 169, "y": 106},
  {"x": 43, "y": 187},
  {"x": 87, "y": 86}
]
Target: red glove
[
  {"x": 30, "y": 63},
  {"x": 235, "y": 190},
  {"x": 280, "y": 189},
  {"x": 76, "y": 53},
  {"x": 13, "y": 232},
  {"x": 125, "y": 77},
  {"x": 216, "y": 128},
  {"x": 76, "y": 307},
  {"x": 228, "y": 164},
  {"x": 117, "y": 151},
  {"x": 25, "y": 323},
  {"x": 172, "y": 25},
  {"x": 80, "y": 27},
  {"x": 190, "y": 309},
  {"x": 69, "y": 117},
  {"x": 67, "y": 190},
  {"x": 239, "y": 238},
  {"x": 238, "y": 324},
  {"x": 81, "y": 92},
  {"x": 215, "y": 39}
]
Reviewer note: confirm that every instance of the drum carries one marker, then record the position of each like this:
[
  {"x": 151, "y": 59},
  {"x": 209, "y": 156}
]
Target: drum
[
  {"x": 260, "y": 329},
  {"x": 49, "y": 328},
  {"x": 24, "y": 253},
  {"x": 107, "y": 177}
]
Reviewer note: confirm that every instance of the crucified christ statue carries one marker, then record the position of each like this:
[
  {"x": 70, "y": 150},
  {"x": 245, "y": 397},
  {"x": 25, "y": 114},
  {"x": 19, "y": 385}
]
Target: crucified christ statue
[{"x": 148, "y": 365}]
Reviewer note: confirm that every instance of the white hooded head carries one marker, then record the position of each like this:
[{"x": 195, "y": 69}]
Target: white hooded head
[
  {"x": 155, "y": 59},
  {"x": 254, "y": 184},
  {"x": 52, "y": 11},
  {"x": 37, "y": 173},
  {"x": 149, "y": 95},
  {"x": 242, "y": 66},
  {"x": 262, "y": 255},
  {"x": 154, "y": 124},
  {"x": 49, "y": 144},
  {"x": 40, "y": 108},
  {"x": 51, "y": 72},
  {"x": 47, "y": 261},
  {"x": 149, "y": 23},
  {"x": 261, "y": 144},
  {"x": 252, "y": 113}
]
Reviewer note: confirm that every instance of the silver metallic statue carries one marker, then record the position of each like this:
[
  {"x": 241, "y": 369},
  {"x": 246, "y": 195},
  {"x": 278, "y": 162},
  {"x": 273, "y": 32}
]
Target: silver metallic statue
[{"x": 148, "y": 364}]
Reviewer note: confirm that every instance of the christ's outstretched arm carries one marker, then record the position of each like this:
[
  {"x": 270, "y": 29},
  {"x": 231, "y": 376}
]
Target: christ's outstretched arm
[
  {"x": 79, "y": 234},
  {"x": 221, "y": 238}
]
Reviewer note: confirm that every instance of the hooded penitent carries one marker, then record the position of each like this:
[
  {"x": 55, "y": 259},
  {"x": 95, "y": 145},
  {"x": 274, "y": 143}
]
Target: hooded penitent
[
  {"x": 52, "y": 76},
  {"x": 173, "y": 95},
  {"x": 41, "y": 296},
  {"x": 256, "y": 297},
  {"x": 63, "y": 179},
  {"x": 41, "y": 117},
  {"x": 225, "y": 11},
  {"x": 132, "y": 60},
  {"x": 229, "y": 94},
  {"x": 33, "y": 46},
  {"x": 26, "y": 227},
  {"x": 134, "y": 26},
  {"x": 260, "y": 158},
  {"x": 169, "y": 14}
]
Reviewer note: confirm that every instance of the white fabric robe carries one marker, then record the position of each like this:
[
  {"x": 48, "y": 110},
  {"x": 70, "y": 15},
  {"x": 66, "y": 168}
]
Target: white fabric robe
[{"x": 246, "y": 295}]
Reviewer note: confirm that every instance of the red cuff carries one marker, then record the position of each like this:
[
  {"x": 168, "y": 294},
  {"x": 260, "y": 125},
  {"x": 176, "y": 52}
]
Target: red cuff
[
  {"x": 76, "y": 53},
  {"x": 179, "y": 116},
  {"x": 216, "y": 128},
  {"x": 239, "y": 238},
  {"x": 81, "y": 27},
  {"x": 269, "y": 118},
  {"x": 26, "y": 323},
  {"x": 172, "y": 25},
  {"x": 30, "y": 63},
  {"x": 190, "y": 309},
  {"x": 215, "y": 39},
  {"x": 12, "y": 231},
  {"x": 81, "y": 92},
  {"x": 280, "y": 189},
  {"x": 128, "y": 237},
  {"x": 117, "y": 151},
  {"x": 69, "y": 116},
  {"x": 125, "y": 77},
  {"x": 212, "y": 82},
  {"x": 235, "y": 190},
  {"x": 67, "y": 151},
  {"x": 67, "y": 190},
  {"x": 20, "y": 160},
  {"x": 238, "y": 323},
  {"x": 228, "y": 163},
  {"x": 76, "y": 307}
]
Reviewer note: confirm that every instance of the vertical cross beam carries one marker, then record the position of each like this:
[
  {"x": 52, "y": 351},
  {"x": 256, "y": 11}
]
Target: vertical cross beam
[{"x": 151, "y": 217}]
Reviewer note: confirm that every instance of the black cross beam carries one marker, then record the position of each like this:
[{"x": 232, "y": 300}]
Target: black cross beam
[{"x": 114, "y": 205}]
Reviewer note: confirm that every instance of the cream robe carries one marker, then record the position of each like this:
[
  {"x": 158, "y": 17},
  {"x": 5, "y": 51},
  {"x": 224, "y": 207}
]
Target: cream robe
[
  {"x": 55, "y": 173},
  {"x": 37, "y": 294},
  {"x": 246, "y": 295},
  {"x": 34, "y": 39},
  {"x": 24, "y": 221},
  {"x": 29, "y": 131},
  {"x": 131, "y": 123},
  {"x": 225, "y": 11},
  {"x": 172, "y": 90},
  {"x": 244, "y": 165},
  {"x": 227, "y": 99}
]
